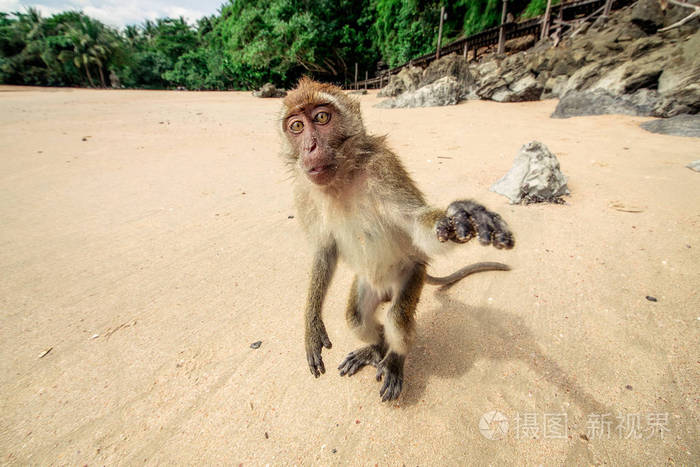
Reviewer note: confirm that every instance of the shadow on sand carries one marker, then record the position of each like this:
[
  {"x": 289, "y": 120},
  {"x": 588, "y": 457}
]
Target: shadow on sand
[{"x": 481, "y": 333}]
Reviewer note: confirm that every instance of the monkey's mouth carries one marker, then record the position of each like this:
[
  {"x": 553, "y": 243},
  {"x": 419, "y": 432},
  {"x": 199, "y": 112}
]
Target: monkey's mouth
[
  {"x": 321, "y": 174},
  {"x": 321, "y": 168}
]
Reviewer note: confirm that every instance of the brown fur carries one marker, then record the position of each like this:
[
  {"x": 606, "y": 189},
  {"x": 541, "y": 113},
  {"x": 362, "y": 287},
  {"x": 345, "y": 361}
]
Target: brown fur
[{"x": 357, "y": 203}]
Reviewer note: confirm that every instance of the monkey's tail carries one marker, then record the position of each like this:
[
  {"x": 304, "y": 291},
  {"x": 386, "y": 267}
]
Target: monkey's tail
[{"x": 464, "y": 272}]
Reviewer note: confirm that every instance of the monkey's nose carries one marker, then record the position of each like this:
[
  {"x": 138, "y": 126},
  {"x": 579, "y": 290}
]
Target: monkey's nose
[{"x": 311, "y": 147}]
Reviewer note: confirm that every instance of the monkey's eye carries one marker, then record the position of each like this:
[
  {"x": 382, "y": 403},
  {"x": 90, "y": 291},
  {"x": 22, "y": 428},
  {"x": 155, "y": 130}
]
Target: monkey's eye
[
  {"x": 322, "y": 118},
  {"x": 296, "y": 126}
]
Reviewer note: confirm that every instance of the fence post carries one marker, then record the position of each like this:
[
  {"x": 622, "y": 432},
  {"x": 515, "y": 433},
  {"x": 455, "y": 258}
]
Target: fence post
[
  {"x": 466, "y": 49},
  {"x": 355, "y": 76},
  {"x": 439, "y": 44},
  {"x": 501, "y": 30},
  {"x": 608, "y": 5},
  {"x": 545, "y": 21},
  {"x": 366, "y": 78},
  {"x": 560, "y": 19}
]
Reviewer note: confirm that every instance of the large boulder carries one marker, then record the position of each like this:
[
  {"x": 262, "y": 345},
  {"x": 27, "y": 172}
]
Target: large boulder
[
  {"x": 450, "y": 65},
  {"x": 269, "y": 90},
  {"x": 679, "y": 82},
  {"x": 406, "y": 80},
  {"x": 601, "y": 102},
  {"x": 412, "y": 78},
  {"x": 526, "y": 88},
  {"x": 445, "y": 91},
  {"x": 535, "y": 177},
  {"x": 648, "y": 15},
  {"x": 680, "y": 125},
  {"x": 507, "y": 80}
]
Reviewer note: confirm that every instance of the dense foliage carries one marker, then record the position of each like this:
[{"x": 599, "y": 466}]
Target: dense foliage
[{"x": 245, "y": 45}]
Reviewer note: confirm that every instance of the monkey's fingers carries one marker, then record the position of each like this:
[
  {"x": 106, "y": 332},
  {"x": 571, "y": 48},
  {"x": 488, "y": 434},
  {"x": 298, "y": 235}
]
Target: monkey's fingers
[
  {"x": 391, "y": 370},
  {"x": 502, "y": 236},
  {"x": 350, "y": 366},
  {"x": 325, "y": 340},
  {"x": 464, "y": 227},
  {"x": 315, "y": 363},
  {"x": 391, "y": 389},
  {"x": 484, "y": 224},
  {"x": 444, "y": 229}
]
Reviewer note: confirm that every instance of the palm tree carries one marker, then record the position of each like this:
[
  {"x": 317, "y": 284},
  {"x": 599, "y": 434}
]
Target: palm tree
[{"x": 91, "y": 44}]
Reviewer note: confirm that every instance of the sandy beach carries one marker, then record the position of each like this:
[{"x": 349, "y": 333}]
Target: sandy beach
[{"x": 146, "y": 242}]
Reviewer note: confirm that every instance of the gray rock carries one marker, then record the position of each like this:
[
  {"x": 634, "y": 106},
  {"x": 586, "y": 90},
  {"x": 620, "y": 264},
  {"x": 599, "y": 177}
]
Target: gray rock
[
  {"x": 555, "y": 87},
  {"x": 679, "y": 82},
  {"x": 406, "y": 80},
  {"x": 675, "y": 13},
  {"x": 114, "y": 80},
  {"x": 695, "y": 165},
  {"x": 535, "y": 177},
  {"x": 601, "y": 102},
  {"x": 490, "y": 80},
  {"x": 269, "y": 90},
  {"x": 582, "y": 78},
  {"x": 525, "y": 88},
  {"x": 680, "y": 125},
  {"x": 450, "y": 65},
  {"x": 445, "y": 91},
  {"x": 648, "y": 15}
]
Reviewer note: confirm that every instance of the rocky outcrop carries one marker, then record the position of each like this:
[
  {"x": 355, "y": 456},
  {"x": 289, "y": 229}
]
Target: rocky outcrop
[
  {"x": 507, "y": 80},
  {"x": 535, "y": 177},
  {"x": 411, "y": 78},
  {"x": 601, "y": 102},
  {"x": 406, "y": 80},
  {"x": 629, "y": 67},
  {"x": 269, "y": 90},
  {"x": 622, "y": 65},
  {"x": 680, "y": 125},
  {"x": 445, "y": 91}
]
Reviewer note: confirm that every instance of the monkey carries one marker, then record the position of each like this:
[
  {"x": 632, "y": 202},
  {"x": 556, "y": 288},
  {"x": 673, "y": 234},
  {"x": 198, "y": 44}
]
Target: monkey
[{"x": 357, "y": 203}]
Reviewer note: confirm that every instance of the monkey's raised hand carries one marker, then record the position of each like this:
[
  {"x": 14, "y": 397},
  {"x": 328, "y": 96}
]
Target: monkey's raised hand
[
  {"x": 316, "y": 338},
  {"x": 465, "y": 220}
]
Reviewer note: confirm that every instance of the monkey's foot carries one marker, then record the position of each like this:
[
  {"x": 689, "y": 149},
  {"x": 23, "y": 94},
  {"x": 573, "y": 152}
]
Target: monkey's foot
[
  {"x": 391, "y": 370},
  {"x": 357, "y": 359}
]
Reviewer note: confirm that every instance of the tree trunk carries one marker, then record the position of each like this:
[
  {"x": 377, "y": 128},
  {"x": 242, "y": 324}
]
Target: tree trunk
[
  {"x": 89, "y": 76},
  {"x": 102, "y": 77}
]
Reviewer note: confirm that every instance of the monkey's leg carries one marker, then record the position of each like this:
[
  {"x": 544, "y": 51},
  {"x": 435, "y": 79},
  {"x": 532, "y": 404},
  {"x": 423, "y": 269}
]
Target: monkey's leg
[
  {"x": 399, "y": 330},
  {"x": 360, "y": 315},
  {"x": 315, "y": 335}
]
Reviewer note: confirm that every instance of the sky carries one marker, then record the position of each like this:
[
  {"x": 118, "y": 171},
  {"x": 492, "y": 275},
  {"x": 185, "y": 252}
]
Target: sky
[{"x": 119, "y": 13}]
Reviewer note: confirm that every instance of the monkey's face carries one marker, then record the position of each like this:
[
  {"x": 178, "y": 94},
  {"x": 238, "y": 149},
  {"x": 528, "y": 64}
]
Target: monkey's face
[{"x": 313, "y": 130}]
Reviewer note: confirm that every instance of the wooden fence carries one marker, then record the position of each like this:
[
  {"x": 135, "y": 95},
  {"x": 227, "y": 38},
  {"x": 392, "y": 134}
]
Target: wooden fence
[{"x": 567, "y": 11}]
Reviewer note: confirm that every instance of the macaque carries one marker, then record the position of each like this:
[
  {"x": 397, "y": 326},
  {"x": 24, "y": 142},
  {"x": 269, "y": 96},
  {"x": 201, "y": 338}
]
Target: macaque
[{"x": 357, "y": 203}]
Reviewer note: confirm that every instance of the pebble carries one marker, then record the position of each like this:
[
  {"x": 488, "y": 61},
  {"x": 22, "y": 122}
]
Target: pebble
[
  {"x": 256, "y": 345},
  {"x": 651, "y": 299}
]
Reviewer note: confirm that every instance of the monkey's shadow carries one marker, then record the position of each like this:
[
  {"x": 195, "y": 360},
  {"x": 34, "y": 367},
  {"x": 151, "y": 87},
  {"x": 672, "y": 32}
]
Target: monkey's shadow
[{"x": 453, "y": 336}]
